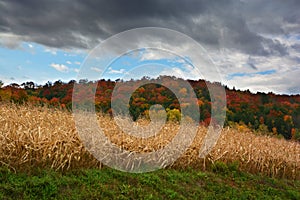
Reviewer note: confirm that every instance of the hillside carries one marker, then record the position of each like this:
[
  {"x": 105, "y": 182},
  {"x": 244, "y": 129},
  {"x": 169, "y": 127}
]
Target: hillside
[
  {"x": 41, "y": 157},
  {"x": 267, "y": 113}
]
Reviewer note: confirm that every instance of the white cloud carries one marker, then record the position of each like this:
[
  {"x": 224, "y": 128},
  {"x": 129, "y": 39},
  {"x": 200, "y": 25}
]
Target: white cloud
[
  {"x": 76, "y": 70},
  {"x": 151, "y": 54},
  {"x": 69, "y": 62},
  {"x": 52, "y": 51},
  {"x": 113, "y": 71},
  {"x": 284, "y": 80},
  {"x": 60, "y": 67},
  {"x": 185, "y": 71},
  {"x": 77, "y": 63},
  {"x": 96, "y": 69}
]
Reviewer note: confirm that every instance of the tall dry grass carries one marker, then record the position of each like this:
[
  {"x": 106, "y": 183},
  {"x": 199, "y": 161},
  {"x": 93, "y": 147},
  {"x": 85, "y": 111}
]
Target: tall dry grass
[{"x": 38, "y": 137}]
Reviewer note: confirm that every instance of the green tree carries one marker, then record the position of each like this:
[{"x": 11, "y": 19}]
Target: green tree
[{"x": 173, "y": 115}]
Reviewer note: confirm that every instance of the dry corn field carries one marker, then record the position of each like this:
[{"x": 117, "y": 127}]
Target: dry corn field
[{"x": 38, "y": 137}]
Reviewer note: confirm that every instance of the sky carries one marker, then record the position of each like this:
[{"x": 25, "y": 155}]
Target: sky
[{"x": 254, "y": 44}]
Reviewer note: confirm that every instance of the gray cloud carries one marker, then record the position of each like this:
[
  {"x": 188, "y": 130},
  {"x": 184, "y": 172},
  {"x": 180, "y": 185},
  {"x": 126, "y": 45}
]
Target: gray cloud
[
  {"x": 239, "y": 25},
  {"x": 251, "y": 62},
  {"x": 296, "y": 47}
]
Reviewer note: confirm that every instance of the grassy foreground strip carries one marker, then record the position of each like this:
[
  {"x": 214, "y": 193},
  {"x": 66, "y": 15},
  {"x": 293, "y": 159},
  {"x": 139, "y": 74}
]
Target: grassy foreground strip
[{"x": 223, "y": 183}]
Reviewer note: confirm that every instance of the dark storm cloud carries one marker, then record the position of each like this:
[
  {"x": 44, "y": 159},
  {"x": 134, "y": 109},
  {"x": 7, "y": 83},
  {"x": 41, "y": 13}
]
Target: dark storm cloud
[{"x": 82, "y": 24}]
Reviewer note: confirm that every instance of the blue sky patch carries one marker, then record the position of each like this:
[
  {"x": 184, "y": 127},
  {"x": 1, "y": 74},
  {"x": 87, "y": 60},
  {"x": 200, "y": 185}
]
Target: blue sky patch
[{"x": 242, "y": 74}]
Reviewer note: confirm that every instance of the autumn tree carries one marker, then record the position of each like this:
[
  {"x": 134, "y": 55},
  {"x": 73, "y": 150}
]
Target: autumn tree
[{"x": 29, "y": 85}]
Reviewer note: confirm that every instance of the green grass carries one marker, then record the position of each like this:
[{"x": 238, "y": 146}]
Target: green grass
[{"x": 224, "y": 182}]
